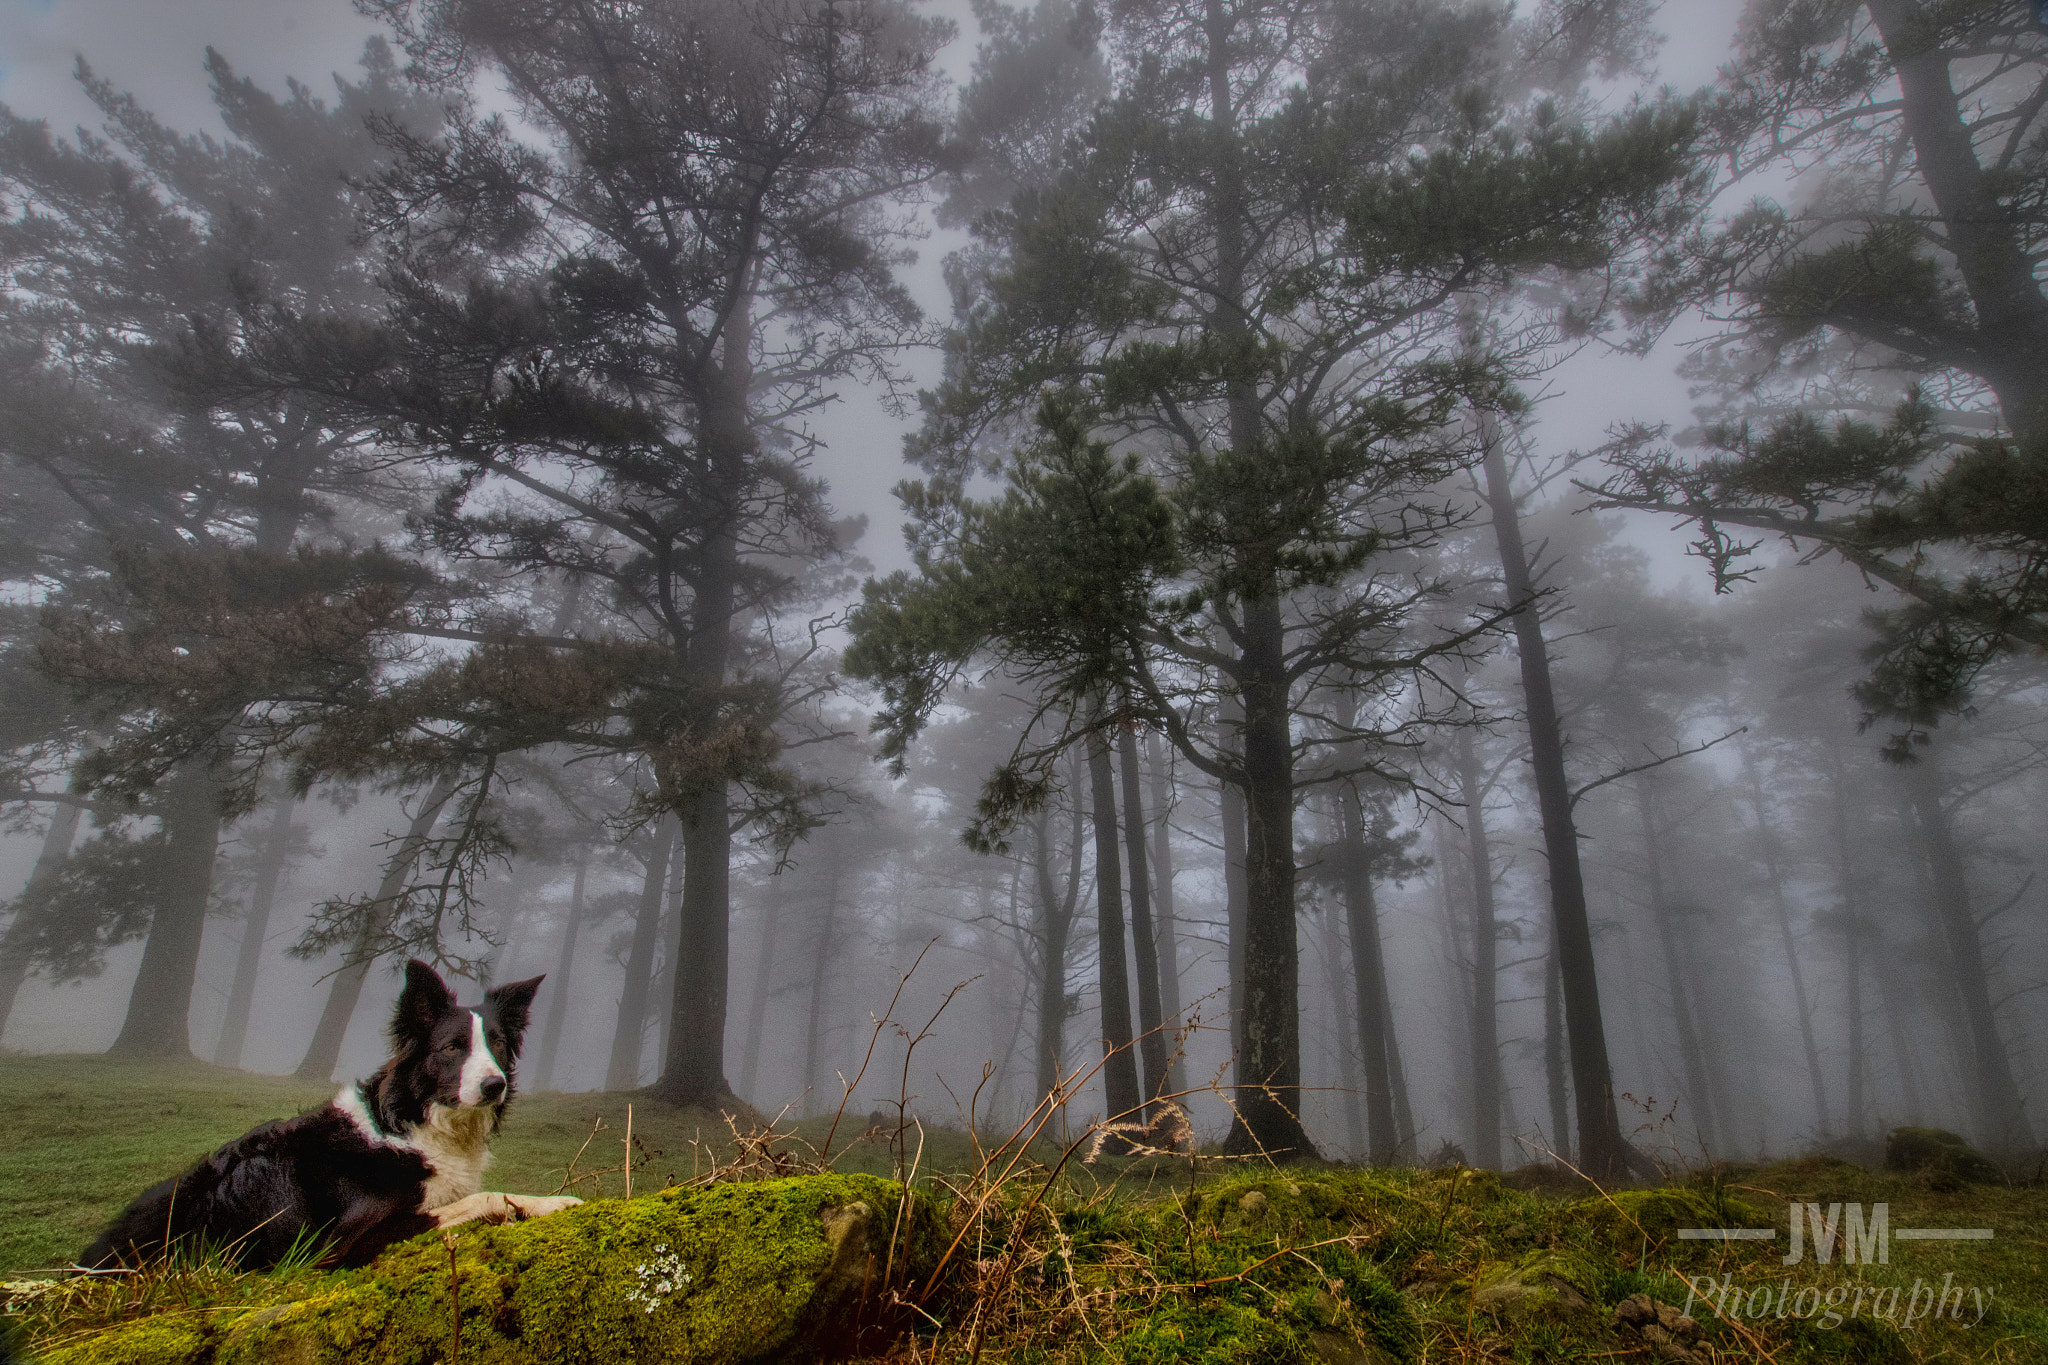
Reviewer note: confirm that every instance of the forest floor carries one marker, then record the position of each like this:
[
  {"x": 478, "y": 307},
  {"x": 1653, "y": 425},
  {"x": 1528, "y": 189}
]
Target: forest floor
[{"x": 1156, "y": 1261}]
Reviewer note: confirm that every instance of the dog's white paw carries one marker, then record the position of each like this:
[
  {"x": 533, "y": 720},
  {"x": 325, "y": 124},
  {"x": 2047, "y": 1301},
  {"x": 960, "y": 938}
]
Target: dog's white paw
[{"x": 539, "y": 1205}]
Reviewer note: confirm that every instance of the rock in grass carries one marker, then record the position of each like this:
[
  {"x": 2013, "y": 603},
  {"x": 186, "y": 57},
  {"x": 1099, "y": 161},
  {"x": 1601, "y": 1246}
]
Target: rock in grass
[
  {"x": 1546, "y": 1286},
  {"x": 735, "y": 1273},
  {"x": 1939, "y": 1153}
]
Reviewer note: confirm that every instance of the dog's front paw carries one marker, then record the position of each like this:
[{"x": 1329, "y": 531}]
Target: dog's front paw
[{"x": 539, "y": 1205}]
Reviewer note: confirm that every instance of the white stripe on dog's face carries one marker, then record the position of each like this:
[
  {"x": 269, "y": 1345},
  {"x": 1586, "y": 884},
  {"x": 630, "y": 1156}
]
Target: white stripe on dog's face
[{"x": 479, "y": 1066}]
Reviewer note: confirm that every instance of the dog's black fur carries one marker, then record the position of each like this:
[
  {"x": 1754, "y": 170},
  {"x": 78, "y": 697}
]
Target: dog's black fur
[{"x": 360, "y": 1172}]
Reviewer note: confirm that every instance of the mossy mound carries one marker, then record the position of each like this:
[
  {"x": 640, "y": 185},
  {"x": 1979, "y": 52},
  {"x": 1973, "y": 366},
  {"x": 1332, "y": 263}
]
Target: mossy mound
[
  {"x": 1939, "y": 1154},
  {"x": 1654, "y": 1217},
  {"x": 735, "y": 1273}
]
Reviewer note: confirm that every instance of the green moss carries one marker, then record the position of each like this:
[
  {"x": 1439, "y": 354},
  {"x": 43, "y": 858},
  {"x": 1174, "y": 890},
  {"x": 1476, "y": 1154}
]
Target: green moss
[
  {"x": 1941, "y": 1155},
  {"x": 155, "y": 1341},
  {"x": 1211, "y": 1332},
  {"x": 1544, "y": 1286},
  {"x": 1629, "y": 1218},
  {"x": 730, "y": 1274}
]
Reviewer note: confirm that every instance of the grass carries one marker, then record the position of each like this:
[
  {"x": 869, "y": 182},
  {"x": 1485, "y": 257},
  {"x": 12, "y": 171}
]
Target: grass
[
  {"x": 87, "y": 1133},
  {"x": 1150, "y": 1260}
]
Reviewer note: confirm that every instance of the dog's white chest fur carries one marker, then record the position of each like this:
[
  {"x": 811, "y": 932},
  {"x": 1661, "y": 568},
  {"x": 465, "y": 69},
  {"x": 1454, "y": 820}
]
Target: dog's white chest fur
[
  {"x": 454, "y": 1142},
  {"x": 456, "y": 1145}
]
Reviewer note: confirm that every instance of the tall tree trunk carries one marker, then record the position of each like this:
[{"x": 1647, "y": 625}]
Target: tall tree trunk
[
  {"x": 1405, "y": 1127},
  {"x": 1699, "y": 1088},
  {"x": 629, "y": 1034},
  {"x": 1817, "y": 1076},
  {"x": 1121, "y": 1094},
  {"x": 1266, "y": 1120},
  {"x": 693, "y": 1064},
  {"x": 161, "y": 1001},
  {"x": 1486, "y": 1070},
  {"x": 559, "y": 996},
  {"x": 325, "y": 1050},
  {"x": 814, "y": 1020},
  {"x": 2001, "y": 1121},
  {"x": 662, "y": 990},
  {"x": 1056, "y": 907},
  {"x": 1555, "y": 1084},
  {"x": 1604, "y": 1154},
  {"x": 1848, "y": 886},
  {"x": 1896, "y": 993},
  {"x": 757, "y": 1006},
  {"x": 1145, "y": 948},
  {"x": 27, "y": 922},
  {"x": 505, "y": 910},
  {"x": 1369, "y": 983},
  {"x": 1169, "y": 932},
  {"x": 1350, "y": 1083},
  {"x": 1230, "y": 810},
  {"x": 234, "y": 1029},
  {"x": 695, "y": 1071}
]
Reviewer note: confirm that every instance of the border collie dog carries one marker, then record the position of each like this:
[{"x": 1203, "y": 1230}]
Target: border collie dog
[{"x": 391, "y": 1157}]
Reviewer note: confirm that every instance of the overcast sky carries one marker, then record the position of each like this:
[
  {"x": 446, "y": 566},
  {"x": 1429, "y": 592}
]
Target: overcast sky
[{"x": 155, "y": 49}]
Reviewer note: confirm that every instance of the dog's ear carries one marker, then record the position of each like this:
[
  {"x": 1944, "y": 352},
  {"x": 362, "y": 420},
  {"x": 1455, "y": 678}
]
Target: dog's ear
[
  {"x": 426, "y": 997},
  {"x": 513, "y": 1002}
]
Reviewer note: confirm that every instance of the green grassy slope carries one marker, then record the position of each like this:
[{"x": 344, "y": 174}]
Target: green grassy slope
[{"x": 85, "y": 1134}]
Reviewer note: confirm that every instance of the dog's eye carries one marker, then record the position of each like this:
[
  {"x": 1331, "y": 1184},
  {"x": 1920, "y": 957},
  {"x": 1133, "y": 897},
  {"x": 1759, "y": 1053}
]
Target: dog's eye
[{"x": 454, "y": 1047}]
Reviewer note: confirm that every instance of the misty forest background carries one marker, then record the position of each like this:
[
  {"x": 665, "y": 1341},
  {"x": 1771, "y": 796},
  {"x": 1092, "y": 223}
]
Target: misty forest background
[{"x": 421, "y": 539}]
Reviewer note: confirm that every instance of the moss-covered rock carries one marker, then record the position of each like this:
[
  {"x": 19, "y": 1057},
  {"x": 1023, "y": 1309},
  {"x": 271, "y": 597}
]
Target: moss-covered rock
[
  {"x": 1940, "y": 1154},
  {"x": 1545, "y": 1285},
  {"x": 721, "y": 1276}
]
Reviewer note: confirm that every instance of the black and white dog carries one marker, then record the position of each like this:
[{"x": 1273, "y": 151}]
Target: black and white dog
[{"x": 391, "y": 1157}]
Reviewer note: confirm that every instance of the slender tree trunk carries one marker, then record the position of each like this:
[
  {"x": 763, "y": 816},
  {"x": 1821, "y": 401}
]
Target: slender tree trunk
[
  {"x": 814, "y": 1020},
  {"x": 1369, "y": 983},
  {"x": 27, "y": 923},
  {"x": 1604, "y": 1154},
  {"x": 1121, "y": 1094},
  {"x": 2001, "y": 1120},
  {"x": 1891, "y": 982},
  {"x": 505, "y": 911},
  {"x": 1405, "y": 1127},
  {"x": 629, "y": 1034},
  {"x": 1699, "y": 1089},
  {"x": 757, "y": 1006},
  {"x": 1145, "y": 949},
  {"x": 1056, "y": 922},
  {"x": 161, "y": 1001},
  {"x": 1768, "y": 843},
  {"x": 234, "y": 1029},
  {"x": 1350, "y": 1082},
  {"x": 1486, "y": 1071},
  {"x": 559, "y": 996},
  {"x": 1848, "y": 885},
  {"x": 325, "y": 1050},
  {"x": 663, "y": 988},
  {"x": 1169, "y": 932},
  {"x": 1230, "y": 810},
  {"x": 1554, "y": 1080}
]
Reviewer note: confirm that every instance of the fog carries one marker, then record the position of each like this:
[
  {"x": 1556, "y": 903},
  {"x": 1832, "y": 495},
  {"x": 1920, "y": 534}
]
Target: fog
[{"x": 493, "y": 553}]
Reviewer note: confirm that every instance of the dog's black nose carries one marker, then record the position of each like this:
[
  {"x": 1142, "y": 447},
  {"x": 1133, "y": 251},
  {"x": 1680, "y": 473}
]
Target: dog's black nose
[{"x": 493, "y": 1089}]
